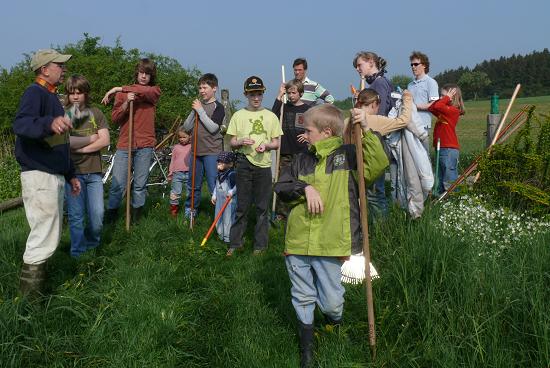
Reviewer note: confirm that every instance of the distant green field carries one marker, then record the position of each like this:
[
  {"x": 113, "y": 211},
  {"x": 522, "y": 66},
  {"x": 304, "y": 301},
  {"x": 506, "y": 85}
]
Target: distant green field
[{"x": 473, "y": 125}]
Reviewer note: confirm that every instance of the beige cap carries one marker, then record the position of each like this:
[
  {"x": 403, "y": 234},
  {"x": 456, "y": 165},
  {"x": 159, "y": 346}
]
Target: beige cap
[{"x": 43, "y": 57}]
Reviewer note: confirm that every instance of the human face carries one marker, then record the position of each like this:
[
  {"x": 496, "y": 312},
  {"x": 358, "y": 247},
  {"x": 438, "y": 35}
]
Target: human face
[
  {"x": 371, "y": 109},
  {"x": 313, "y": 134},
  {"x": 222, "y": 166},
  {"x": 418, "y": 69},
  {"x": 143, "y": 78},
  {"x": 254, "y": 100},
  {"x": 183, "y": 138},
  {"x": 54, "y": 73},
  {"x": 365, "y": 68},
  {"x": 207, "y": 93},
  {"x": 299, "y": 72},
  {"x": 76, "y": 97},
  {"x": 293, "y": 94}
]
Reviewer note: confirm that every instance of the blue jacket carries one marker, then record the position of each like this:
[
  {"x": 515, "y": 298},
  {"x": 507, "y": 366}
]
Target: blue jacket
[{"x": 36, "y": 146}]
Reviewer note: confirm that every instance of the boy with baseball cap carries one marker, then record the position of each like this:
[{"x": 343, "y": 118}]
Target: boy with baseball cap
[
  {"x": 42, "y": 150},
  {"x": 254, "y": 131}
]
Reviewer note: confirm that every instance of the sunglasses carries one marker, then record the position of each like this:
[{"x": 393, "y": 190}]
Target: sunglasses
[{"x": 415, "y": 64}]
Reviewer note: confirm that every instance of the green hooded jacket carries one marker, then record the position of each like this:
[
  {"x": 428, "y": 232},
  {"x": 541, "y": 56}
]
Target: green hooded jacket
[{"x": 330, "y": 167}]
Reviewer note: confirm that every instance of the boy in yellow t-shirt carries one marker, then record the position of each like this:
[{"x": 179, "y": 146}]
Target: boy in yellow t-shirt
[{"x": 254, "y": 132}]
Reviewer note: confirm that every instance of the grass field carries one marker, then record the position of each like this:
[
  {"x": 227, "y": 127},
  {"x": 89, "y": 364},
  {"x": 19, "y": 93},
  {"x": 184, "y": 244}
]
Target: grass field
[{"x": 155, "y": 298}]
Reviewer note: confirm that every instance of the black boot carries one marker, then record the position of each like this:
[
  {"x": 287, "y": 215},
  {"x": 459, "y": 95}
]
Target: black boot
[
  {"x": 111, "y": 215},
  {"x": 136, "y": 214},
  {"x": 306, "y": 345},
  {"x": 332, "y": 325},
  {"x": 31, "y": 282}
]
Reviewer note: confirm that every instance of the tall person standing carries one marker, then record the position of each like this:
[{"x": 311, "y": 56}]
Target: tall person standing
[
  {"x": 145, "y": 94},
  {"x": 42, "y": 150},
  {"x": 424, "y": 90},
  {"x": 313, "y": 91}
]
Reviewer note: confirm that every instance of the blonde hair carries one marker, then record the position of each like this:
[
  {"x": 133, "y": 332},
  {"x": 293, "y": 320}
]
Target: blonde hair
[
  {"x": 326, "y": 116},
  {"x": 456, "y": 101}
]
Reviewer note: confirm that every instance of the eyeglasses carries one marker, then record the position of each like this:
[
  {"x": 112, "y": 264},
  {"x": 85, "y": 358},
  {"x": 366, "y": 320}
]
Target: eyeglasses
[{"x": 415, "y": 64}]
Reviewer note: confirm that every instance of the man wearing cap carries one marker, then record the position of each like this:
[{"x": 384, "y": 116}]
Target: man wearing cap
[
  {"x": 254, "y": 132},
  {"x": 42, "y": 150}
]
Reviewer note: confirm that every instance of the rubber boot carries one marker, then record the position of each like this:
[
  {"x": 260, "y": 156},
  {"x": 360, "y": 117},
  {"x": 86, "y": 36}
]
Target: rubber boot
[
  {"x": 111, "y": 215},
  {"x": 31, "y": 281},
  {"x": 174, "y": 209},
  {"x": 332, "y": 325},
  {"x": 306, "y": 345},
  {"x": 136, "y": 214}
]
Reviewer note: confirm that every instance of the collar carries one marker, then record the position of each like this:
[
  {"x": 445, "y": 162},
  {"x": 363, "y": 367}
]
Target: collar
[
  {"x": 325, "y": 147},
  {"x": 50, "y": 87},
  {"x": 421, "y": 79}
]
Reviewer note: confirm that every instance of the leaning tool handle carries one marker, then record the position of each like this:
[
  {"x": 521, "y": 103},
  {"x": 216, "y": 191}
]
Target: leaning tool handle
[
  {"x": 365, "y": 229},
  {"x": 436, "y": 185},
  {"x": 205, "y": 239},
  {"x": 129, "y": 172},
  {"x": 193, "y": 174},
  {"x": 278, "y": 152}
]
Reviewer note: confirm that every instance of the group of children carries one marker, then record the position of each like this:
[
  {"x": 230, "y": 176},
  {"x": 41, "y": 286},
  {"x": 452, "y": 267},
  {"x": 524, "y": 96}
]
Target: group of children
[{"x": 317, "y": 180}]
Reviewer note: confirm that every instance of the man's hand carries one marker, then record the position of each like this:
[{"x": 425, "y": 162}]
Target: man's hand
[
  {"x": 61, "y": 124},
  {"x": 75, "y": 186},
  {"x": 314, "y": 201}
]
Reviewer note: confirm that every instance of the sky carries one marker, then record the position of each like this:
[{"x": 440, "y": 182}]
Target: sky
[{"x": 239, "y": 38}]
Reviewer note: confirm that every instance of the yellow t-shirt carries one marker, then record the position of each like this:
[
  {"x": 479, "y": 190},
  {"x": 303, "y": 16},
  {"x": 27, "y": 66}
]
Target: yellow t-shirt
[{"x": 261, "y": 126}]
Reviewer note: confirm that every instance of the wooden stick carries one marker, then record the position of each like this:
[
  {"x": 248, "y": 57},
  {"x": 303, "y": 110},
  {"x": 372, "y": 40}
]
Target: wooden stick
[
  {"x": 129, "y": 172},
  {"x": 195, "y": 136},
  {"x": 278, "y": 153},
  {"x": 365, "y": 229}
]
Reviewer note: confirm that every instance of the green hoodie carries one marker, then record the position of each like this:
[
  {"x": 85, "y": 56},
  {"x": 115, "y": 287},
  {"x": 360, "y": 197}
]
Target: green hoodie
[{"x": 330, "y": 167}]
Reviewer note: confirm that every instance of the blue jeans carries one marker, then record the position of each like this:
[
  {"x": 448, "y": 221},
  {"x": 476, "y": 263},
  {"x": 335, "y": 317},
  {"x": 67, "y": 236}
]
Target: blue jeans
[
  {"x": 205, "y": 164},
  {"x": 85, "y": 213},
  {"x": 315, "y": 280},
  {"x": 179, "y": 183},
  {"x": 141, "y": 160},
  {"x": 376, "y": 197},
  {"x": 448, "y": 168}
]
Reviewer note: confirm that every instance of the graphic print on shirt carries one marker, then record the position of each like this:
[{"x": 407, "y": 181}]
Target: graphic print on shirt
[
  {"x": 299, "y": 120},
  {"x": 257, "y": 126}
]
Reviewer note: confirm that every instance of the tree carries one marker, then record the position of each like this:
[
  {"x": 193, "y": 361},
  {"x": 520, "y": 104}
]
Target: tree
[
  {"x": 105, "y": 67},
  {"x": 474, "y": 82},
  {"x": 401, "y": 80}
]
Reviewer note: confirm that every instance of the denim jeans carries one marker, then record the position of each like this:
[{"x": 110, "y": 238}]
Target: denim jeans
[
  {"x": 85, "y": 212},
  {"x": 448, "y": 168},
  {"x": 315, "y": 280},
  {"x": 141, "y": 161},
  {"x": 179, "y": 183},
  {"x": 253, "y": 187},
  {"x": 205, "y": 164},
  {"x": 376, "y": 197}
]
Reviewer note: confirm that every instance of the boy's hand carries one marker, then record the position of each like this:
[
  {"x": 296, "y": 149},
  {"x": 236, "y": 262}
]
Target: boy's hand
[
  {"x": 196, "y": 105},
  {"x": 314, "y": 201},
  {"x": 105, "y": 99},
  {"x": 131, "y": 96},
  {"x": 75, "y": 187},
  {"x": 282, "y": 91},
  {"x": 359, "y": 116},
  {"x": 301, "y": 138},
  {"x": 261, "y": 148},
  {"x": 213, "y": 201},
  {"x": 246, "y": 142}
]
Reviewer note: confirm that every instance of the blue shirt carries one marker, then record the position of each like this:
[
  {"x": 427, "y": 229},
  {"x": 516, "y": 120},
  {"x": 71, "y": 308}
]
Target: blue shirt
[{"x": 424, "y": 90}]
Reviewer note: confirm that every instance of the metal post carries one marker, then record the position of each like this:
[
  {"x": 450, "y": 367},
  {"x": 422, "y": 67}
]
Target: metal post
[{"x": 493, "y": 118}]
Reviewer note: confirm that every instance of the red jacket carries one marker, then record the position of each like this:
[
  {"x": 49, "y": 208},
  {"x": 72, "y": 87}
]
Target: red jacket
[
  {"x": 144, "y": 116},
  {"x": 445, "y": 127}
]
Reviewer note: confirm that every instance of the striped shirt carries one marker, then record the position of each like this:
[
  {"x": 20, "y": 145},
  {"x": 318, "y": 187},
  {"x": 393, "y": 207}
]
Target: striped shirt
[{"x": 314, "y": 91}]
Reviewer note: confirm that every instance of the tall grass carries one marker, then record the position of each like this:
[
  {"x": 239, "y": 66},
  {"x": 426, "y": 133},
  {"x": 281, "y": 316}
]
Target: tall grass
[{"x": 155, "y": 298}]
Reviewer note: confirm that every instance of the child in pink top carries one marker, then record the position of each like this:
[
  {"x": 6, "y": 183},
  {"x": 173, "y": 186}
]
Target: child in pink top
[{"x": 178, "y": 172}]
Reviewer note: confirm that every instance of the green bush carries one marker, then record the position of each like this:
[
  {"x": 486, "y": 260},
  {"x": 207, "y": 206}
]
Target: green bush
[{"x": 518, "y": 174}]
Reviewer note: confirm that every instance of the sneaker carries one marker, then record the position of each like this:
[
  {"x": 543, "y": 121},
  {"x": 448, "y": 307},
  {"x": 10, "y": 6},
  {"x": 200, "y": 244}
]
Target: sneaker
[{"x": 230, "y": 252}]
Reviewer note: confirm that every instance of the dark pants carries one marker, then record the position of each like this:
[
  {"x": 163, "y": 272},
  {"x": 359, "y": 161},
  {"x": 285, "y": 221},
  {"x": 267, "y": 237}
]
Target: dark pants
[
  {"x": 253, "y": 187},
  {"x": 285, "y": 161}
]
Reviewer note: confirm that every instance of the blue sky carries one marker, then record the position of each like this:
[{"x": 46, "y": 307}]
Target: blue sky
[{"x": 236, "y": 39}]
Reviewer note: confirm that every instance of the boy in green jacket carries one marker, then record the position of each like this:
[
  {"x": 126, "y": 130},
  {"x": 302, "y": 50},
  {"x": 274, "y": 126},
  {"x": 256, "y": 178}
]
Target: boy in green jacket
[{"x": 323, "y": 227}]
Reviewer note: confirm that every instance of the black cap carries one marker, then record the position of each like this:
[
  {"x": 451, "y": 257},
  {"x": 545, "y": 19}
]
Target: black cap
[{"x": 252, "y": 84}]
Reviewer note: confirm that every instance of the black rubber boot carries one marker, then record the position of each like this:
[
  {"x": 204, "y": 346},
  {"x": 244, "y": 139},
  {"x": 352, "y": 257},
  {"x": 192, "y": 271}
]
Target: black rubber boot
[
  {"x": 332, "y": 325},
  {"x": 31, "y": 282},
  {"x": 111, "y": 215},
  {"x": 306, "y": 345},
  {"x": 136, "y": 214}
]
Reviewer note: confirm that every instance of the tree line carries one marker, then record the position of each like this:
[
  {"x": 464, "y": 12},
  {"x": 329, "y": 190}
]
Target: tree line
[{"x": 105, "y": 67}]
